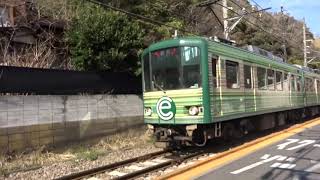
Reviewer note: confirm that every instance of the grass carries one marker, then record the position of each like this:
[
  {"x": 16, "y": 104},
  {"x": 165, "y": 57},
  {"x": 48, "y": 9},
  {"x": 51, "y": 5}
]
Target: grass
[
  {"x": 89, "y": 150},
  {"x": 83, "y": 153},
  {"x": 22, "y": 161}
]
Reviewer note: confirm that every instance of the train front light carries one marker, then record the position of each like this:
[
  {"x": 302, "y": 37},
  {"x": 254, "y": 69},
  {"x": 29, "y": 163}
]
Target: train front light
[
  {"x": 148, "y": 111},
  {"x": 193, "y": 110}
]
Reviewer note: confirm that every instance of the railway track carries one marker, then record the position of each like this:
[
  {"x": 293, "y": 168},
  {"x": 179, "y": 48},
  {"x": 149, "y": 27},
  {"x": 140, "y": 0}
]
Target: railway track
[
  {"x": 139, "y": 166},
  {"x": 163, "y": 160}
]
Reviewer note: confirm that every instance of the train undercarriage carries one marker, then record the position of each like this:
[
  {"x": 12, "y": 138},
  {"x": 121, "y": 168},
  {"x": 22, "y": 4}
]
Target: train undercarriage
[{"x": 199, "y": 134}]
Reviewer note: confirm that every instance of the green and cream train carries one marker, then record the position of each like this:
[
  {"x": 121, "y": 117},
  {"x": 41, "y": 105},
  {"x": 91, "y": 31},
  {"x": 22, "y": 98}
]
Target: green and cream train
[{"x": 196, "y": 89}]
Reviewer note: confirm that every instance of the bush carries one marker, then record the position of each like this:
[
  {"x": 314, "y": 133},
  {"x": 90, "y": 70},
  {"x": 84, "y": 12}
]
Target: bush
[{"x": 101, "y": 39}]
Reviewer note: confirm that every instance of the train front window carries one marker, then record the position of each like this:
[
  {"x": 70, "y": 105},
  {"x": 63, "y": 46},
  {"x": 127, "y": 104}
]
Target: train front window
[{"x": 174, "y": 68}]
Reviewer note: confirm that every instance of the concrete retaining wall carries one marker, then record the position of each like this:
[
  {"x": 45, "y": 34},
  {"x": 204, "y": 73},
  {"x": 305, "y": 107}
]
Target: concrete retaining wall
[{"x": 29, "y": 121}]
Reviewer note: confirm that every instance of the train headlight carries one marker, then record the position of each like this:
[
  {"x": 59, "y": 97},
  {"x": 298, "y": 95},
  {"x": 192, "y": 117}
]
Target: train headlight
[
  {"x": 148, "y": 111},
  {"x": 193, "y": 110}
]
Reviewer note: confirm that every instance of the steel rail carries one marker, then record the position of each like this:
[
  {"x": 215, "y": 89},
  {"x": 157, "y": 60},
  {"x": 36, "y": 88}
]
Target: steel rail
[
  {"x": 151, "y": 169},
  {"x": 245, "y": 147},
  {"x": 101, "y": 169}
]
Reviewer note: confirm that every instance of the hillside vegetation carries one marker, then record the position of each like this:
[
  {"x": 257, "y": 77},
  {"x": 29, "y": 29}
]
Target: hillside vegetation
[{"x": 99, "y": 38}]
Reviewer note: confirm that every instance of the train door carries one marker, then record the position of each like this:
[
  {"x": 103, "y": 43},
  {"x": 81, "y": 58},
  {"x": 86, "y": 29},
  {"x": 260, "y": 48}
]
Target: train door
[
  {"x": 215, "y": 88},
  {"x": 292, "y": 90},
  {"x": 249, "y": 93},
  {"x": 286, "y": 88},
  {"x": 318, "y": 90},
  {"x": 233, "y": 101}
]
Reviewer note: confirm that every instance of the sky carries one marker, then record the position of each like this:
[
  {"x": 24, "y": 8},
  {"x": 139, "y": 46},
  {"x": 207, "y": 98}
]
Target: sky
[{"x": 308, "y": 9}]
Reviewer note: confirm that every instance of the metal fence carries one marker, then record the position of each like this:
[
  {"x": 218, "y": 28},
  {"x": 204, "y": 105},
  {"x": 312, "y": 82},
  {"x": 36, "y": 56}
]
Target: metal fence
[{"x": 21, "y": 80}]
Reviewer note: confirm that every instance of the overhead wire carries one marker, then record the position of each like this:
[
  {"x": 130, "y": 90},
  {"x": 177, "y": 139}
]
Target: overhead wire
[
  {"x": 274, "y": 35},
  {"x": 180, "y": 15},
  {"x": 257, "y": 4},
  {"x": 245, "y": 19},
  {"x": 160, "y": 23},
  {"x": 140, "y": 17},
  {"x": 248, "y": 14}
]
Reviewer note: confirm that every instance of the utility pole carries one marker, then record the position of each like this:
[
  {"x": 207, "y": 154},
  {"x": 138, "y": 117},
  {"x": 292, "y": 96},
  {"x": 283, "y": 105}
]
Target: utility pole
[
  {"x": 225, "y": 19},
  {"x": 225, "y": 25},
  {"x": 304, "y": 45}
]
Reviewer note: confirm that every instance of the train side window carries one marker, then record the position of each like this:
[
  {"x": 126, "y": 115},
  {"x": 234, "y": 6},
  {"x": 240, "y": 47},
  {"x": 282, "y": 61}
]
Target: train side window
[
  {"x": 306, "y": 84},
  {"x": 312, "y": 85},
  {"x": 279, "y": 81},
  {"x": 247, "y": 76},
  {"x": 285, "y": 82},
  {"x": 293, "y": 83},
  {"x": 270, "y": 79},
  {"x": 309, "y": 85},
  {"x": 232, "y": 74},
  {"x": 262, "y": 76},
  {"x": 214, "y": 71},
  {"x": 299, "y": 83}
]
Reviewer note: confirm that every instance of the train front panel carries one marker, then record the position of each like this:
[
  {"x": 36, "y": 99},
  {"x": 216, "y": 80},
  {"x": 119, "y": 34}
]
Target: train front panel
[{"x": 175, "y": 88}]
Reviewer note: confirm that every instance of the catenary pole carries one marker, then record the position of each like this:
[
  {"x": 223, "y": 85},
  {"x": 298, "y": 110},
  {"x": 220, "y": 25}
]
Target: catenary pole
[
  {"x": 225, "y": 17},
  {"x": 304, "y": 44}
]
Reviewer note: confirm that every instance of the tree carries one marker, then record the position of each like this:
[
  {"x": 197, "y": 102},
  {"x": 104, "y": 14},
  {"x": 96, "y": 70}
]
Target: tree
[{"x": 101, "y": 39}]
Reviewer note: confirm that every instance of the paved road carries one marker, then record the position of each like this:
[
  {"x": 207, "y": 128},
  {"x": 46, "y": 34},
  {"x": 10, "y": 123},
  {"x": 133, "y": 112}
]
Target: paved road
[{"x": 296, "y": 158}]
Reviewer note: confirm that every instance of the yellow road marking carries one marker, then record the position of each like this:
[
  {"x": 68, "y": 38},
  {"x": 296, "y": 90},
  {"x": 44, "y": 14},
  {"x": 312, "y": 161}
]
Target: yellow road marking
[{"x": 206, "y": 165}]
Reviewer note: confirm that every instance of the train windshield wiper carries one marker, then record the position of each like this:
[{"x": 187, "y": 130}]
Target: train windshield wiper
[{"x": 157, "y": 85}]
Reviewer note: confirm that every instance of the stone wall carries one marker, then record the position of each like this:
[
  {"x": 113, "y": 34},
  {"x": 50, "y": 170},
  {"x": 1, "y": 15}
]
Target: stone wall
[{"x": 30, "y": 121}]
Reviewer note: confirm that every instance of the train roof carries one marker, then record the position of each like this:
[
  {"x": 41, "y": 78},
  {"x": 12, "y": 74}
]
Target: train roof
[{"x": 230, "y": 50}]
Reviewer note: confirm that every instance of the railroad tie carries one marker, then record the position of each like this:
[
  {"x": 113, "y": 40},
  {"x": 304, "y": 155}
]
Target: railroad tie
[
  {"x": 117, "y": 173},
  {"x": 135, "y": 167}
]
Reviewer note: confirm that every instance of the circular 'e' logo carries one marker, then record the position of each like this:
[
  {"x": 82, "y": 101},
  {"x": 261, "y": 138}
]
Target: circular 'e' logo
[{"x": 166, "y": 108}]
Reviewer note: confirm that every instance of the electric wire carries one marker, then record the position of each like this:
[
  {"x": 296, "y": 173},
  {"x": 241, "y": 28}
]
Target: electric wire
[
  {"x": 160, "y": 23},
  {"x": 140, "y": 17},
  {"x": 241, "y": 8},
  {"x": 272, "y": 34},
  {"x": 179, "y": 15},
  {"x": 261, "y": 8}
]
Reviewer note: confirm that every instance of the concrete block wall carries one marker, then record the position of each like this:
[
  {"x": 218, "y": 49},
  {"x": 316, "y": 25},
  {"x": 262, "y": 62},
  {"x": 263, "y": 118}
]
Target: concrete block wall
[{"x": 30, "y": 121}]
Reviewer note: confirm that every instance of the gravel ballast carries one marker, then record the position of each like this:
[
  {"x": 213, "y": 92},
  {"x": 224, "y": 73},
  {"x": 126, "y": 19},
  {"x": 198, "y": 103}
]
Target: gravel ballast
[{"x": 113, "y": 149}]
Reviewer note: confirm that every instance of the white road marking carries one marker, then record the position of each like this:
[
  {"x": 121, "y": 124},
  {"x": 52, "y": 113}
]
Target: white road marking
[
  {"x": 283, "y": 165},
  {"x": 283, "y": 145},
  {"x": 313, "y": 168},
  {"x": 266, "y": 156},
  {"x": 287, "y": 166},
  {"x": 313, "y": 161},
  {"x": 316, "y": 145},
  {"x": 302, "y": 143},
  {"x": 257, "y": 164},
  {"x": 282, "y": 158},
  {"x": 274, "y": 165},
  {"x": 290, "y": 159}
]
